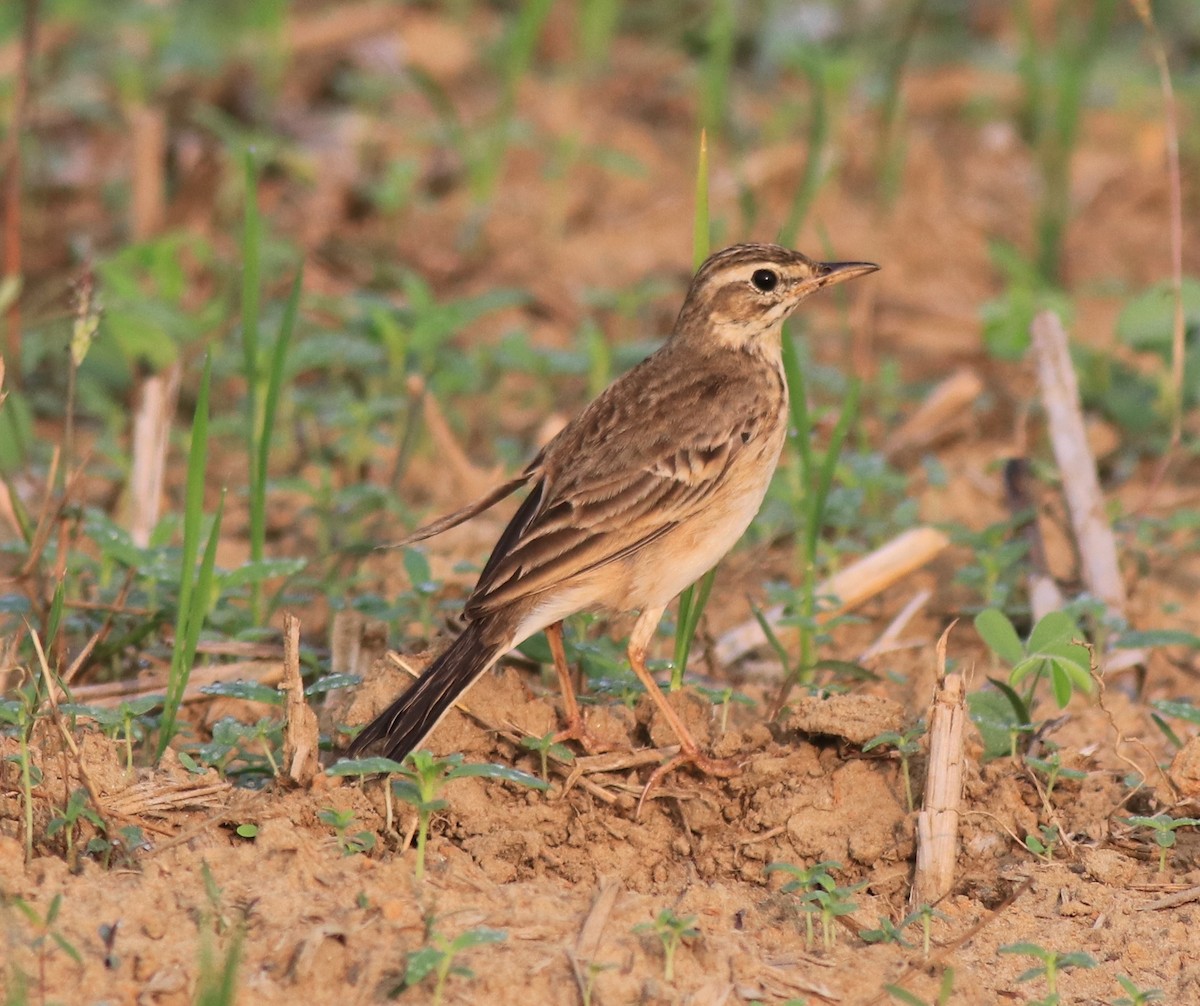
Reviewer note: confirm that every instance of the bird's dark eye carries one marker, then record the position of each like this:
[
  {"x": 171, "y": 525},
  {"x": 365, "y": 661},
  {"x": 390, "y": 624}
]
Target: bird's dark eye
[{"x": 765, "y": 279}]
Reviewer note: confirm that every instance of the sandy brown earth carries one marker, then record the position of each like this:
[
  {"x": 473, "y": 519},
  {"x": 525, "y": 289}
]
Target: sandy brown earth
[{"x": 570, "y": 874}]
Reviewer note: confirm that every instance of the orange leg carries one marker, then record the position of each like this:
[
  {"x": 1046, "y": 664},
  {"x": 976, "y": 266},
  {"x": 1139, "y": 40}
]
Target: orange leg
[
  {"x": 689, "y": 750},
  {"x": 576, "y": 729}
]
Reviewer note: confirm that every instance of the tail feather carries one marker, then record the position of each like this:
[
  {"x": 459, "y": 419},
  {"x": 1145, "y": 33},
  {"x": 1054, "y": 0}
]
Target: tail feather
[{"x": 402, "y": 727}]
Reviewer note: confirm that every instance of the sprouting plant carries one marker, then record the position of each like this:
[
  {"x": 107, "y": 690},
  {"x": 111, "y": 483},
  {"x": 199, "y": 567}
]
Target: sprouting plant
[
  {"x": 587, "y": 978},
  {"x": 671, "y": 930},
  {"x": 341, "y": 821},
  {"x": 45, "y": 932},
  {"x": 77, "y": 809},
  {"x": 1053, "y": 769},
  {"x": 244, "y": 742},
  {"x": 886, "y": 932},
  {"x": 1050, "y": 965},
  {"x": 1050, "y": 652},
  {"x": 438, "y": 959},
  {"x": 924, "y": 914},
  {"x": 1164, "y": 827},
  {"x": 419, "y": 781},
  {"x": 1180, "y": 709},
  {"x": 121, "y": 848},
  {"x": 812, "y": 478},
  {"x": 18, "y": 714},
  {"x": 547, "y": 747},
  {"x": 1055, "y": 67},
  {"x": 1044, "y": 845},
  {"x": 945, "y": 991},
  {"x": 216, "y": 983},
  {"x": 125, "y": 722},
  {"x": 194, "y": 585},
  {"x": 906, "y": 746},
  {"x": 820, "y": 895},
  {"x": 891, "y": 933},
  {"x": 723, "y": 698},
  {"x": 1135, "y": 996}
]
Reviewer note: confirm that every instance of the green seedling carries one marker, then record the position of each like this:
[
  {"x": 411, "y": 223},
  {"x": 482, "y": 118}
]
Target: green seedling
[
  {"x": 1050, "y": 652},
  {"x": 121, "y": 849},
  {"x": 925, "y": 915},
  {"x": 1164, "y": 827},
  {"x": 216, "y": 983},
  {"x": 1055, "y": 68},
  {"x": 813, "y": 477},
  {"x": 1135, "y": 996},
  {"x": 587, "y": 978},
  {"x": 671, "y": 930},
  {"x": 439, "y": 958},
  {"x": 1052, "y": 768},
  {"x": 723, "y": 698},
  {"x": 76, "y": 810},
  {"x": 945, "y": 991},
  {"x": 341, "y": 821},
  {"x": 1050, "y": 965},
  {"x": 128, "y": 722},
  {"x": 820, "y": 895},
  {"x": 1045, "y": 845},
  {"x": 18, "y": 715},
  {"x": 1183, "y": 710},
  {"x": 262, "y": 390},
  {"x": 195, "y": 585},
  {"x": 46, "y": 933},
  {"x": 886, "y": 932},
  {"x": 994, "y": 568},
  {"x": 420, "y": 779},
  {"x": 547, "y": 747},
  {"x": 906, "y": 745},
  {"x": 232, "y": 739}
]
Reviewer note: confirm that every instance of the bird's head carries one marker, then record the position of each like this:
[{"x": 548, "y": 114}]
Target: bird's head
[{"x": 741, "y": 295}]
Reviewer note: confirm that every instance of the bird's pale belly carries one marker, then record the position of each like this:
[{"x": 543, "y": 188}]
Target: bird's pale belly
[
  {"x": 661, "y": 570},
  {"x": 668, "y": 566}
]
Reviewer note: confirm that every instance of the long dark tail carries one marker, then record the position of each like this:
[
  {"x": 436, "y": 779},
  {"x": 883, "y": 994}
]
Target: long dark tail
[{"x": 401, "y": 727}]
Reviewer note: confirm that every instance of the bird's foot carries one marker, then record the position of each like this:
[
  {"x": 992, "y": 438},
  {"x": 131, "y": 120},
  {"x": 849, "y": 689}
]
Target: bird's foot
[
  {"x": 577, "y": 730},
  {"x": 721, "y": 768}
]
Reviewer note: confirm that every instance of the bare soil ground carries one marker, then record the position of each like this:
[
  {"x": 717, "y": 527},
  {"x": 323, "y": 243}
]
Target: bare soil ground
[{"x": 568, "y": 874}]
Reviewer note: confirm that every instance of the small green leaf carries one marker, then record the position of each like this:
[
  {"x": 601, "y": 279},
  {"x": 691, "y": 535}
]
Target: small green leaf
[
  {"x": 420, "y": 963},
  {"x": 1183, "y": 710},
  {"x": 1061, "y": 684},
  {"x": 998, "y": 633},
  {"x": 1052, "y": 628},
  {"x": 1157, "y": 637},
  {"x": 251, "y": 691},
  {"x": 365, "y": 766},
  {"x": 489, "y": 770}
]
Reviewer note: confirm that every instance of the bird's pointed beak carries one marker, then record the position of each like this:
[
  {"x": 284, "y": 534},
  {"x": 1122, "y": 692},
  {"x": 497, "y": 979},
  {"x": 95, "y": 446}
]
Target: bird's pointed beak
[{"x": 829, "y": 273}]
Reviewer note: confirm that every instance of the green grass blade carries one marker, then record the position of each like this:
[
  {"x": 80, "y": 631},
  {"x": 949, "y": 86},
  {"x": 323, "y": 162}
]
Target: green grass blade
[
  {"x": 691, "y": 607},
  {"x": 818, "y": 492},
  {"x": 701, "y": 238},
  {"x": 255, "y": 431},
  {"x": 262, "y": 441},
  {"x": 818, "y": 136},
  {"x": 193, "y": 515}
]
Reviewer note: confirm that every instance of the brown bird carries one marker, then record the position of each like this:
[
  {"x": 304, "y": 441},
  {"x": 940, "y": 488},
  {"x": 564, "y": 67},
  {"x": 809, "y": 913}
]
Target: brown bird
[{"x": 638, "y": 496}]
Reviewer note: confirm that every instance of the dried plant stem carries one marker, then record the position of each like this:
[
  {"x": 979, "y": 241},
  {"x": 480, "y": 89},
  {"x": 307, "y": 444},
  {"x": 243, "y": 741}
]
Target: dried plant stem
[
  {"x": 854, "y": 585},
  {"x": 946, "y": 408},
  {"x": 1081, "y": 485},
  {"x": 937, "y": 821},
  {"x": 300, "y": 738}
]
